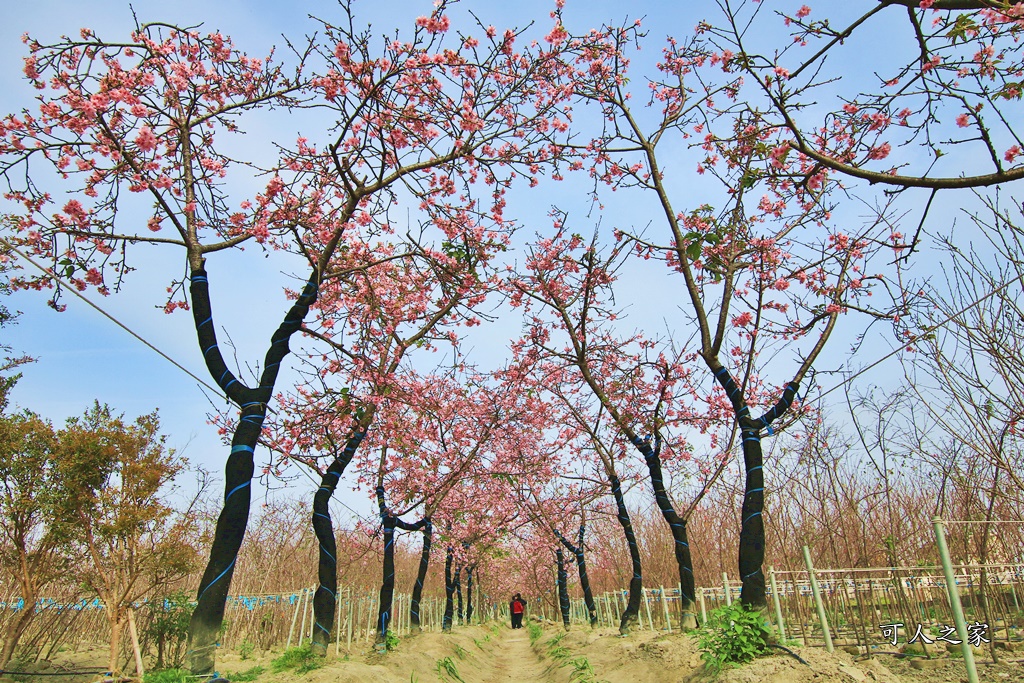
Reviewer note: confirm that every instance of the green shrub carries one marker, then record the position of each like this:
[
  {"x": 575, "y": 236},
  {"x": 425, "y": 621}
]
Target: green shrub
[
  {"x": 535, "y": 632},
  {"x": 301, "y": 658},
  {"x": 733, "y": 634},
  {"x": 166, "y": 676},
  {"x": 246, "y": 649},
  {"x": 390, "y": 641},
  {"x": 168, "y": 628}
]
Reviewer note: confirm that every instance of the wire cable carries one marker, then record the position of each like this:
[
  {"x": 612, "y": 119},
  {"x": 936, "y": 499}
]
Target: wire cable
[
  {"x": 110, "y": 317},
  {"x": 140, "y": 338}
]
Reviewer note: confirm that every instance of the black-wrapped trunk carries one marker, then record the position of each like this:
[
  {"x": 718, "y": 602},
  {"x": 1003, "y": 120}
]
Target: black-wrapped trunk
[
  {"x": 677, "y": 526},
  {"x": 469, "y": 594},
  {"x": 208, "y": 615},
  {"x": 325, "y": 599},
  {"x": 636, "y": 586},
  {"x": 387, "y": 586},
  {"x": 752, "y": 540},
  {"x": 581, "y": 566},
  {"x": 421, "y": 575},
  {"x": 563, "y": 588},
  {"x": 458, "y": 594},
  {"x": 449, "y": 592}
]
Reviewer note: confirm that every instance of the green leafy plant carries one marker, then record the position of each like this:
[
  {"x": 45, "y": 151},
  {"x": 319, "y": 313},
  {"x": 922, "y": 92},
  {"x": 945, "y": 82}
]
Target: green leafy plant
[
  {"x": 556, "y": 639},
  {"x": 733, "y": 634},
  {"x": 246, "y": 649},
  {"x": 167, "y": 676},
  {"x": 247, "y": 675},
  {"x": 301, "y": 658},
  {"x": 446, "y": 670},
  {"x": 582, "y": 671},
  {"x": 535, "y": 632},
  {"x": 168, "y": 628},
  {"x": 559, "y": 652},
  {"x": 459, "y": 652},
  {"x": 391, "y": 640}
]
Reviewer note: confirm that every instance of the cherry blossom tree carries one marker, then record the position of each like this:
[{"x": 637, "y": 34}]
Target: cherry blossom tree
[
  {"x": 772, "y": 268},
  {"x": 642, "y": 391},
  {"x": 426, "y": 118},
  {"x": 950, "y": 61}
]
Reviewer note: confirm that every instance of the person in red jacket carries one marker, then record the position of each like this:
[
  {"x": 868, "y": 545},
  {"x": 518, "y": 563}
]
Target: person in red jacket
[{"x": 516, "y": 608}]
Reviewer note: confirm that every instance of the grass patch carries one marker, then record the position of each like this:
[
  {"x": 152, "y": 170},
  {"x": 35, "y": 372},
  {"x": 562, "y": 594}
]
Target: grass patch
[
  {"x": 244, "y": 676},
  {"x": 299, "y": 658},
  {"x": 167, "y": 676},
  {"x": 535, "y": 632},
  {"x": 459, "y": 652}
]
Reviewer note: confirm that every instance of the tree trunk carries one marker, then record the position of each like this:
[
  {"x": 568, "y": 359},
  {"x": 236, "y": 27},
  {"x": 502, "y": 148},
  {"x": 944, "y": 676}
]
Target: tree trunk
[
  {"x": 752, "y": 540},
  {"x": 116, "y": 625},
  {"x": 28, "y": 613},
  {"x": 677, "y": 526},
  {"x": 629, "y": 615},
  {"x": 563, "y": 589},
  {"x": 421, "y": 575},
  {"x": 449, "y": 591},
  {"x": 458, "y": 594},
  {"x": 469, "y": 594},
  {"x": 387, "y": 586},
  {"x": 325, "y": 599},
  {"x": 581, "y": 566},
  {"x": 234, "y": 517}
]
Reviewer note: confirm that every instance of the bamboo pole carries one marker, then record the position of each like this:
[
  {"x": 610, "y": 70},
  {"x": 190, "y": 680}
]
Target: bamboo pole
[
  {"x": 647, "y": 606},
  {"x": 348, "y": 625},
  {"x": 725, "y": 586},
  {"x": 778, "y": 605},
  {"x": 822, "y": 617},
  {"x": 295, "y": 616},
  {"x": 954, "y": 601},
  {"x": 664, "y": 607},
  {"x": 135, "y": 642},
  {"x": 337, "y": 627}
]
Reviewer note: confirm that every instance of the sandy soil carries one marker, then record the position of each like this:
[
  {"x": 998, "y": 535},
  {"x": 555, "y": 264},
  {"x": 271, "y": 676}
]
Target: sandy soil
[{"x": 497, "y": 654}]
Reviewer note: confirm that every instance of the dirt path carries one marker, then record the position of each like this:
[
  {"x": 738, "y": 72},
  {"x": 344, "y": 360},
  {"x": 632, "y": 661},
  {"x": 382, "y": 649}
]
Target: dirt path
[{"x": 511, "y": 661}]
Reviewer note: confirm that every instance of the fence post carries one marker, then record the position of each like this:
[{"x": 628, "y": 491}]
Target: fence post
[
  {"x": 703, "y": 608},
  {"x": 664, "y": 606},
  {"x": 348, "y": 626},
  {"x": 337, "y": 626},
  {"x": 778, "y": 604},
  {"x": 725, "y": 585},
  {"x": 295, "y": 616},
  {"x": 822, "y": 617},
  {"x": 954, "y": 601},
  {"x": 647, "y": 606}
]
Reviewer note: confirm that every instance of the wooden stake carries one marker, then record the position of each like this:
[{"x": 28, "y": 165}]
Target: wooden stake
[
  {"x": 135, "y": 642},
  {"x": 295, "y": 616}
]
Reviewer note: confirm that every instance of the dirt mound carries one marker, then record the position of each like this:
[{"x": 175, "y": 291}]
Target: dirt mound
[
  {"x": 496, "y": 654},
  {"x": 649, "y": 657}
]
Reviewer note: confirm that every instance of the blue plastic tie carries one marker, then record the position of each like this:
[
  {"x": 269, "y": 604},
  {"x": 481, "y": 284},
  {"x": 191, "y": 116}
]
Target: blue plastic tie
[{"x": 232, "y": 491}]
